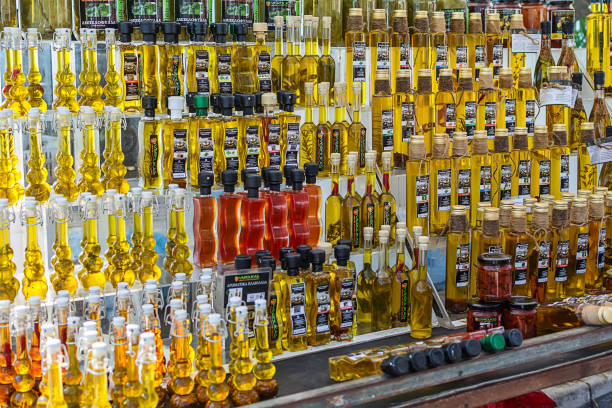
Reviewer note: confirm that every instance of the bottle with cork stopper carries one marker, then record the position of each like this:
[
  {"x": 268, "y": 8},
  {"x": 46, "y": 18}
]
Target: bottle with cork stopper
[
  {"x": 308, "y": 63},
  {"x": 338, "y": 138},
  {"x": 356, "y": 46},
  {"x": 382, "y": 114},
  {"x": 495, "y": 43},
  {"x": 466, "y": 103},
  {"x": 540, "y": 162},
  {"x": 420, "y": 41},
  {"x": 403, "y": 117},
  {"x": 488, "y": 240},
  {"x": 521, "y": 157},
  {"x": 441, "y": 180},
  {"x": 439, "y": 46},
  {"x": 400, "y": 45},
  {"x": 555, "y": 113},
  {"x": 557, "y": 280},
  {"x": 482, "y": 171},
  {"x": 540, "y": 259},
  {"x": 357, "y": 132},
  {"x": 559, "y": 161},
  {"x": 476, "y": 41},
  {"x": 506, "y": 106},
  {"x": 308, "y": 131},
  {"x": 576, "y": 115},
  {"x": 488, "y": 98},
  {"x": 417, "y": 185},
  {"x": 597, "y": 243},
  {"x": 579, "y": 247},
  {"x": 446, "y": 108},
  {"x": 378, "y": 40},
  {"x": 519, "y": 245},
  {"x": 458, "y": 43},
  {"x": 517, "y": 59},
  {"x": 457, "y": 261},
  {"x": 461, "y": 170},
  {"x": 504, "y": 167},
  {"x": 425, "y": 107}
]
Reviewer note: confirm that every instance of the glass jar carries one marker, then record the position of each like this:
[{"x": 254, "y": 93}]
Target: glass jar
[
  {"x": 505, "y": 9},
  {"x": 480, "y": 6},
  {"x": 558, "y": 12},
  {"x": 534, "y": 12},
  {"x": 521, "y": 314},
  {"x": 607, "y": 281},
  {"x": 494, "y": 277},
  {"x": 482, "y": 316}
]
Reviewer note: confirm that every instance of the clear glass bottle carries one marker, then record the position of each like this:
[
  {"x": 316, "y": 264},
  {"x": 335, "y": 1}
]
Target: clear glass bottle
[
  {"x": 579, "y": 247},
  {"x": 318, "y": 300},
  {"x": 382, "y": 288},
  {"x": 34, "y": 282},
  {"x": 365, "y": 283},
  {"x": 130, "y": 79},
  {"x": 575, "y": 116},
  {"x": 290, "y": 67},
  {"x": 446, "y": 106},
  {"x": 559, "y": 161},
  {"x": 457, "y": 261},
  {"x": 112, "y": 91},
  {"x": 458, "y": 43},
  {"x": 351, "y": 209},
  {"x": 567, "y": 57},
  {"x": 597, "y": 244},
  {"x": 560, "y": 250},
  {"x": 342, "y": 288},
  {"x": 174, "y": 133},
  {"x": 441, "y": 181},
  {"x": 420, "y": 42},
  {"x": 545, "y": 58},
  {"x": 417, "y": 185},
  {"x": 356, "y": 46},
  {"x": 540, "y": 162},
  {"x": 400, "y": 45},
  {"x": 403, "y": 117},
  {"x": 38, "y": 188},
  {"x": 599, "y": 113},
  {"x": 503, "y": 169},
  {"x": 482, "y": 171},
  {"x": 425, "y": 108},
  {"x": 466, "y": 104},
  {"x": 307, "y": 64},
  {"x": 461, "y": 171},
  {"x": 421, "y": 299},
  {"x": 35, "y": 89}
]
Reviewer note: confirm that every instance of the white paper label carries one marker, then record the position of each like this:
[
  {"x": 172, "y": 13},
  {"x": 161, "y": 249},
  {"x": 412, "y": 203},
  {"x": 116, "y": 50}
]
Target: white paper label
[
  {"x": 557, "y": 95},
  {"x": 522, "y": 42}
]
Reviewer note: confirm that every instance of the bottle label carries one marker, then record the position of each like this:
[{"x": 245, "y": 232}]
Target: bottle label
[
  {"x": 175, "y": 77},
  {"x": 293, "y": 143},
  {"x": 370, "y": 215},
  {"x": 346, "y": 302},
  {"x": 441, "y": 57},
  {"x": 485, "y": 184},
  {"x": 480, "y": 60},
  {"x": 224, "y": 74},
  {"x": 461, "y": 59},
  {"x": 100, "y": 14},
  {"x": 582, "y": 252},
  {"x": 530, "y": 111},
  {"x": 564, "y": 176},
  {"x": 154, "y": 152},
  {"x": 490, "y": 119},
  {"x": 450, "y": 122},
  {"x": 505, "y": 14},
  {"x": 404, "y": 55},
  {"x": 407, "y": 109},
  {"x": 464, "y": 187},
  {"x": 230, "y": 149},
  {"x": 130, "y": 77},
  {"x": 186, "y": 11},
  {"x": 444, "y": 189},
  {"x": 238, "y": 11},
  {"x": 524, "y": 178},
  {"x": 207, "y": 150},
  {"x": 498, "y": 58},
  {"x": 601, "y": 248},
  {"x": 322, "y": 136},
  {"x": 355, "y": 226},
  {"x": 387, "y": 129},
  {"x": 275, "y": 8},
  {"x": 462, "y": 266},
  {"x": 561, "y": 261},
  {"x": 505, "y": 182},
  {"x": 520, "y": 263},
  {"x": 510, "y": 113},
  {"x": 470, "y": 119},
  {"x": 486, "y": 322},
  {"x": 142, "y": 11},
  {"x": 297, "y": 308},
  {"x": 274, "y": 327},
  {"x": 382, "y": 55},
  {"x": 422, "y": 196},
  {"x": 179, "y": 155},
  {"x": 404, "y": 314},
  {"x": 387, "y": 213},
  {"x": 264, "y": 71},
  {"x": 274, "y": 151},
  {"x": 323, "y": 307},
  {"x": 495, "y": 249},
  {"x": 359, "y": 61},
  {"x": 558, "y": 17},
  {"x": 202, "y": 59},
  {"x": 335, "y": 141},
  {"x": 543, "y": 261},
  {"x": 544, "y": 177},
  {"x": 363, "y": 140},
  {"x": 252, "y": 148}
]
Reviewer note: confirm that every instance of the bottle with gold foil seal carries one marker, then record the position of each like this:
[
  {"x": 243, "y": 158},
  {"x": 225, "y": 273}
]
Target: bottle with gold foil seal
[
  {"x": 446, "y": 107},
  {"x": 403, "y": 117},
  {"x": 560, "y": 251},
  {"x": 420, "y": 42},
  {"x": 400, "y": 46},
  {"x": 425, "y": 108},
  {"x": 540, "y": 162},
  {"x": 597, "y": 244},
  {"x": 482, "y": 171},
  {"x": 540, "y": 258},
  {"x": 579, "y": 247},
  {"x": 559, "y": 161},
  {"x": 521, "y": 158},
  {"x": 441, "y": 180},
  {"x": 519, "y": 245},
  {"x": 458, "y": 43},
  {"x": 457, "y": 261},
  {"x": 587, "y": 173},
  {"x": 488, "y": 102},
  {"x": 556, "y": 113},
  {"x": 461, "y": 181},
  {"x": 505, "y": 167},
  {"x": 476, "y": 45},
  {"x": 465, "y": 99},
  {"x": 417, "y": 185}
]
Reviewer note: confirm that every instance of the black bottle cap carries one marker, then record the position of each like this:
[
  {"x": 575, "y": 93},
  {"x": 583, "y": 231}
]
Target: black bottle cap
[
  {"x": 229, "y": 178},
  {"x": 280, "y": 98},
  {"x": 293, "y": 264},
  {"x": 226, "y": 104},
  {"x": 288, "y": 173},
  {"x": 126, "y": 28},
  {"x": 346, "y": 242},
  {"x": 240, "y": 31},
  {"x": 608, "y": 131},
  {"x": 264, "y": 176},
  {"x": 258, "y": 105},
  {"x": 396, "y": 365},
  {"x": 266, "y": 262},
  {"x": 248, "y": 102},
  {"x": 546, "y": 27},
  {"x": 289, "y": 99},
  {"x": 206, "y": 179},
  {"x": 577, "y": 78},
  {"x": 513, "y": 337},
  {"x": 242, "y": 261},
  {"x": 252, "y": 184},
  {"x": 219, "y": 32},
  {"x": 418, "y": 361},
  {"x": 214, "y": 102},
  {"x": 342, "y": 253},
  {"x": 190, "y": 100},
  {"x": 452, "y": 352},
  {"x": 311, "y": 170},
  {"x": 567, "y": 27},
  {"x": 149, "y": 31},
  {"x": 282, "y": 253},
  {"x": 317, "y": 257},
  {"x": 275, "y": 179},
  {"x": 435, "y": 357},
  {"x": 599, "y": 78},
  {"x": 260, "y": 254},
  {"x": 171, "y": 32},
  {"x": 244, "y": 173},
  {"x": 197, "y": 31},
  {"x": 149, "y": 104},
  {"x": 471, "y": 348},
  {"x": 305, "y": 252},
  {"x": 297, "y": 179}
]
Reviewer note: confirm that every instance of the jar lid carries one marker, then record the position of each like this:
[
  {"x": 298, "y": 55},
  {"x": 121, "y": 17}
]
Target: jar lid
[
  {"x": 494, "y": 259},
  {"x": 476, "y": 304},
  {"x": 523, "y": 302},
  {"x": 533, "y": 1}
]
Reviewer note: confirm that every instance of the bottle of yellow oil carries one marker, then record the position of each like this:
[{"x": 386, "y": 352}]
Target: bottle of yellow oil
[
  {"x": 597, "y": 243},
  {"x": 262, "y": 58},
  {"x": 400, "y": 45},
  {"x": 526, "y": 101},
  {"x": 90, "y": 170},
  {"x": 171, "y": 232},
  {"x": 517, "y": 59},
  {"x": 150, "y": 150},
  {"x": 440, "y": 54},
  {"x": 519, "y": 245},
  {"x": 318, "y": 300},
  {"x": 264, "y": 369},
  {"x": 130, "y": 80},
  {"x": 117, "y": 170},
  {"x": 446, "y": 105},
  {"x": 112, "y": 91},
  {"x": 457, "y": 261},
  {"x": 521, "y": 159},
  {"x": 326, "y": 66},
  {"x": 146, "y": 360},
  {"x": 35, "y": 89},
  {"x": 380, "y": 51},
  {"x": 277, "y": 60},
  {"x": 466, "y": 104},
  {"x": 369, "y": 211},
  {"x": 134, "y": 200},
  {"x": 182, "y": 383},
  {"x": 476, "y": 40},
  {"x": 425, "y": 108},
  {"x": 38, "y": 188},
  {"x": 180, "y": 252},
  {"x": 540, "y": 162},
  {"x": 559, "y": 161},
  {"x": 8, "y": 53},
  {"x": 403, "y": 117},
  {"x": 218, "y": 391},
  {"x": 586, "y": 172},
  {"x": 504, "y": 167},
  {"x": 92, "y": 90},
  {"x": 482, "y": 170},
  {"x": 290, "y": 67},
  {"x": 560, "y": 251},
  {"x": 556, "y": 113},
  {"x": 9, "y": 285},
  {"x": 461, "y": 172},
  {"x": 63, "y": 276},
  {"x": 441, "y": 181},
  {"x": 243, "y": 68},
  {"x": 342, "y": 288},
  {"x": 9, "y": 184},
  {"x": 293, "y": 290},
  {"x": 365, "y": 282},
  {"x": 579, "y": 227},
  {"x": 420, "y": 42},
  {"x": 65, "y": 91},
  {"x": 339, "y": 130},
  {"x": 421, "y": 299},
  {"x": 382, "y": 114},
  {"x": 386, "y": 200},
  {"x": 308, "y": 129},
  {"x": 333, "y": 204},
  {"x": 308, "y": 63},
  {"x": 356, "y": 46},
  {"x": 575, "y": 116},
  {"x": 34, "y": 282},
  {"x": 92, "y": 264},
  {"x": 458, "y": 43},
  {"x": 249, "y": 134},
  {"x": 174, "y": 134},
  {"x": 148, "y": 268},
  {"x": 506, "y": 105},
  {"x": 322, "y": 143},
  {"x": 23, "y": 381},
  {"x": 123, "y": 267},
  {"x": 382, "y": 288},
  {"x": 64, "y": 173},
  {"x": 417, "y": 185},
  {"x": 488, "y": 102},
  {"x": 108, "y": 208},
  {"x": 18, "y": 93}
]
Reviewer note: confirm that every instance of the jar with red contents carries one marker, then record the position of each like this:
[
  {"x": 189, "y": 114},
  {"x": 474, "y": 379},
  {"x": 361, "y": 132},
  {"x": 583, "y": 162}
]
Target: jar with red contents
[
  {"x": 534, "y": 12},
  {"x": 483, "y": 316},
  {"x": 479, "y": 6},
  {"x": 521, "y": 313},
  {"x": 505, "y": 9},
  {"x": 607, "y": 281},
  {"x": 494, "y": 277},
  {"x": 558, "y": 12}
]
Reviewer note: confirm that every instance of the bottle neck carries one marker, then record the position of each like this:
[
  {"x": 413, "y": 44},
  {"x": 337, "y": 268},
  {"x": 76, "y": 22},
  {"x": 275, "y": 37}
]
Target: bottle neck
[
  {"x": 400, "y": 255},
  {"x": 384, "y": 257},
  {"x": 322, "y": 112},
  {"x": 367, "y": 252}
]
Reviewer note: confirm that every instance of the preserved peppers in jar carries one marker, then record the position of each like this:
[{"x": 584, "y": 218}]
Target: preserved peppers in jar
[
  {"x": 494, "y": 277},
  {"x": 483, "y": 316},
  {"x": 521, "y": 313}
]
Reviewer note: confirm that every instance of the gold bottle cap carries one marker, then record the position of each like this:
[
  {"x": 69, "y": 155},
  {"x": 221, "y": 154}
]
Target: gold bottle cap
[
  {"x": 368, "y": 233},
  {"x": 483, "y": 205},
  {"x": 596, "y": 206},
  {"x": 559, "y": 127},
  {"x": 355, "y": 12},
  {"x": 540, "y": 129},
  {"x": 423, "y": 72},
  {"x": 446, "y": 72},
  {"x": 323, "y": 87},
  {"x": 520, "y": 130},
  {"x": 529, "y": 202},
  {"x": 491, "y": 213},
  {"x": 465, "y": 73}
]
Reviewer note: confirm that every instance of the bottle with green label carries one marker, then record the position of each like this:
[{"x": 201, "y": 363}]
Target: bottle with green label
[{"x": 369, "y": 202}]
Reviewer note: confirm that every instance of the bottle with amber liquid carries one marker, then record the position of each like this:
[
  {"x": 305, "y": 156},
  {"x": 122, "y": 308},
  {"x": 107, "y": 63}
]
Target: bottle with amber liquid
[
  {"x": 439, "y": 46},
  {"x": 599, "y": 113},
  {"x": 597, "y": 244},
  {"x": 545, "y": 58},
  {"x": 466, "y": 105},
  {"x": 314, "y": 203},
  {"x": 540, "y": 260},
  {"x": 457, "y": 261},
  {"x": 308, "y": 131},
  {"x": 446, "y": 107},
  {"x": 421, "y": 299},
  {"x": 458, "y": 43},
  {"x": 205, "y": 209},
  {"x": 382, "y": 114},
  {"x": 326, "y": 66},
  {"x": 461, "y": 172},
  {"x": 495, "y": 43},
  {"x": 488, "y": 104},
  {"x": 356, "y": 48},
  {"x": 290, "y": 67},
  {"x": 425, "y": 108},
  {"x": 482, "y": 171},
  {"x": 556, "y": 113},
  {"x": 587, "y": 173},
  {"x": 333, "y": 205},
  {"x": 568, "y": 58},
  {"x": 506, "y": 106},
  {"x": 559, "y": 161},
  {"x": 382, "y": 287},
  {"x": 579, "y": 247},
  {"x": 441, "y": 181},
  {"x": 560, "y": 251},
  {"x": 420, "y": 42},
  {"x": 417, "y": 185},
  {"x": 486, "y": 238},
  {"x": 575, "y": 116},
  {"x": 400, "y": 46},
  {"x": 403, "y": 117},
  {"x": 504, "y": 167},
  {"x": 229, "y": 218},
  {"x": 540, "y": 162},
  {"x": 308, "y": 63},
  {"x": 318, "y": 300}
]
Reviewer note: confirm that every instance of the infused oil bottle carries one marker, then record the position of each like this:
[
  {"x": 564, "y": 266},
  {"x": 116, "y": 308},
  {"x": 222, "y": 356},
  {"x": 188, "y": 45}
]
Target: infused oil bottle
[
  {"x": 403, "y": 117},
  {"x": 318, "y": 301},
  {"x": 369, "y": 210},
  {"x": 326, "y": 66},
  {"x": 575, "y": 116},
  {"x": 540, "y": 260},
  {"x": 587, "y": 173},
  {"x": 488, "y": 104},
  {"x": 356, "y": 46},
  {"x": 425, "y": 108},
  {"x": 458, "y": 43},
  {"x": 517, "y": 59},
  {"x": 439, "y": 46},
  {"x": 148, "y": 57},
  {"x": 38, "y": 188},
  {"x": 579, "y": 247},
  {"x": 275, "y": 64},
  {"x": 457, "y": 261},
  {"x": 243, "y": 66},
  {"x": 597, "y": 244},
  {"x": 599, "y": 113},
  {"x": 420, "y": 41},
  {"x": 174, "y": 132},
  {"x": 506, "y": 106},
  {"x": 495, "y": 43},
  {"x": 382, "y": 288},
  {"x": 545, "y": 58},
  {"x": 150, "y": 151},
  {"x": 421, "y": 299},
  {"x": 386, "y": 200},
  {"x": 521, "y": 159},
  {"x": 333, "y": 204},
  {"x": 322, "y": 145},
  {"x": 249, "y": 134},
  {"x": 400, "y": 284},
  {"x": 560, "y": 251},
  {"x": 525, "y": 102},
  {"x": 290, "y": 130},
  {"x": 365, "y": 283},
  {"x": 400, "y": 45},
  {"x": 441, "y": 181},
  {"x": 378, "y": 40},
  {"x": 461, "y": 172},
  {"x": 351, "y": 208},
  {"x": 290, "y": 67},
  {"x": 417, "y": 185},
  {"x": 342, "y": 287},
  {"x": 466, "y": 105},
  {"x": 222, "y": 64},
  {"x": 129, "y": 69},
  {"x": 477, "y": 51},
  {"x": 338, "y": 139},
  {"x": 446, "y": 106},
  {"x": 540, "y": 162},
  {"x": 199, "y": 59},
  {"x": 382, "y": 114},
  {"x": 559, "y": 161},
  {"x": 504, "y": 168},
  {"x": 313, "y": 190},
  {"x": 482, "y": 171},
  {"x": 520, "y": 246},
  {"x": 308, "y": 131},
  {"x": 308, "y": 63},
  {"x": 35, "y": 89},
  {"x": 556, "y": 113}
]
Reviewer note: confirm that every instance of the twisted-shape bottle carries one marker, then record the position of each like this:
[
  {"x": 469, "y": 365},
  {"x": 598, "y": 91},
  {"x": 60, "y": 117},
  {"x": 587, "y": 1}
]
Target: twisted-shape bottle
[
  {"x": 122, "y": 260},
  {"x": 264, "y": 370},
  {"x": 92, "y": 263},
  {"x": 9, "y": 175},
  {"x": 135, "y": 199},
  {"x": 63, "y": 267},
  {"x": 90, "y": 172},
  {"x": 9, "y": 285},
  {"x": 35, "y": 89},
  {"x": 180, "y": 252},
  {"x": 181, "y": 382},
  {"x": 108, "y": 145},
  {"x": 18, "y": 92},
  {"x": 65, "y": 184},
  {"x": 23, "y": 382},
  {"x": 113, "y": 88},
  {"x": 148, "y": 268},
  {"x": 8, "y": 54},
  {"x": 65, "y": 91},
  {"x": 171, "y": 234},
  {"x": 147, "y": 360},
  {"x": 34, "y": 281},
  {"x": 37, "y": 175},
  {"x": 218, "y": 390},
  {"x": 116, "y": 168},
  {"x": 108, "y": 208},
  {"x": 92, "y": 91}
]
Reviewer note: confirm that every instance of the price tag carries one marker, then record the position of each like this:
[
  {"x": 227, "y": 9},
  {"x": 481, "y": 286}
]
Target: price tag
[
  {"x": 556, "y": 95},
  {"x": 601, "y": 152},
  {"x": 523, "y": 42}
]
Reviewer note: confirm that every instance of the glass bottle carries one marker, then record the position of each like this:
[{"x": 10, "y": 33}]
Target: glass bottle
[
  {"x": 63, "y": 267},
  {"x": 129, "y": 75},
  {"x": 506, "y": 104},
  {"x": 403, "y": 117},
  {"x": 276, "y": 234},
  {"x": 148, "y": 58},
  {"x": 290, "y": 67},
  {"x": 35, "y": 89},
  {"x": 244, "y": 70},
  {"x": 65, "y": 174},
  {"x": 421, "y": 299},
  {"x": 338, "y": 138},
  {"x": 18, "y": 93},
  {"x": 476, "y": 40},
  {"x": 579, "y": 247},
  {"x": 342, "y": 287},
  {"x": 53, "y": 361},
  {"x": 576, "y": 115},
  {"x": 205, "y": 240},
  {"x": 90, "y": 171},
  {"x": 380, "y": 52},
  {"x": 421, "y": 44},
  {"x": 520, "y": 246},
  {"x": 108, "y": 208},
  {"x": 307, "y": 64},
  {"x": 545, "y": 59},
  {"x": 181, "y": 251},
  {"x": 333, "y": 204},
  {"x": 38, "y": 187},
  {"x": 382, "y": 115},
  {"x": 112, "y": 91},
  {"x": 540, "y": 162},
  {"x": 596, "y": 23},
  {"x": 461, "y": 172},
  {"x": 326, "y": 66},
  {"x": 495, "y": 43},
  {"x": 24, "y": 395},
  {"x": 146, "y": 360},
  {"x": 91, "y": 93},
  {"x": 441, "y": 180},
  {"x": 489, "y": 98},
  {"x": 218, "y": 391},
  {"x": 457, "y": 261},
  {"x": 400, "y": 45},
  {"x": 297, "y": 211},
  {"x": 417, "y": 185},
  {"x": 65, "y": 91},
  {"x": 440, "y": 57},
  {"x": 116, "y": 168},
  {"x": 150, "y": 324},
  {"x": 587, "y": 173},
  {"x": 446, "y": 107},
  {"x": 555, "y": 113},
  {"x": 382, "y": 288},
  {"x": 262, "y": 58},
  {"x": 504, "y": 168},
  {"x": 525, "y": 103},
  {"x": 34, "y": 282},
  {"x": 148, "y": 268},
  {"x": 540, "y": 260},
  {"x": 559, "y": 161},
  {"x": 596, "y": 244},
  {"x": 10, "y": 187},
  {"x": 293, "y": 290},
  {"x": 277, "y": 60},
  {"x": 308, "y": 130},
  {"x": 386, "y": 200},
  {"x": 567, "y": 57},
  {"x": 314, "y": 203},
  {"x": 222, "y": 82},
  {"x": 458, "y": 43},
  {"x": 465, "y": 99},
  {"x": 252, "y": 217},
  {"x": 351, "y": 207},
  {"x": 425, "y": 108},
  {"x": 365, "y": 286},
  {"x": 9, "y": 285},
  {"x": 356, "y": 44},
  {"x": 264, "y": 369},
  {"x": 203, "y": 361},
  {"x": 122, "y": 259},
  {"x": 150, "y": 163},
  {"x": 369, "y": 211},
  {"x": 560, "y": 250},
  {"x": 181, "y": 382},
  {"x": 229, "y": 218},
  {"x": 321, "y": 147},
  {"x": 318, "y": 300},
  {"x": 91, "y": 274},
  {"x": 174, "y": 133},
  {"x": 249, "y": 134},
  {"x": 599, "y": 113},
  {"x": 521, "y": 161},
  {"x": 120, "y": 349},
  {"x": 517, "y": 59},
  {"x": 7, "y": 32},
  {"x": 171, "y": 65},
  {"x": 482, "y": 171},
  {"x": 7, "y": 368}
]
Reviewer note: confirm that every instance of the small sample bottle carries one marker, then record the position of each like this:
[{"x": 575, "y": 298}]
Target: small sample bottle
[
  {"x": 382, "y": 288},
  {"x": 421, "y": 299}
]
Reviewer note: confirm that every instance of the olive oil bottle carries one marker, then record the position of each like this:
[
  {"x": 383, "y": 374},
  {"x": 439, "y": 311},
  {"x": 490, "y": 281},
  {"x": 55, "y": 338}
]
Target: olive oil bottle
[
  {"x": 275, "y": 64},
  {"x": 244, "y": 70},
  {"x": 318, "y": 300},
  {"x": 400, "y": 46},
  {"x": 466, "y": 105},
  {"x": 262, "y": 58},
  {"x": 421, "y": 44},
  {"x": 417, "y": 185},
  {"x": 560, "y": 250},
  {"x": 174, "y": 135},
  {"x": 425, "y": 108},
  {"x": 222, "y": 63},
  {"x": 308, "y": 64},
  {"x": 446, "y": 106},
  {"x": 575, "y": 116},
  {"x": 365, "y": 285},
  {"x": 18, "y": 92},
  {"x": 34, "y": 281},
  {"x": 517, "y": 59},
  {"x": 202, "y": 145},
  {"x": 556, "y": 113},
  {"x": 35, "y": 89},
  {"x": 294, "y": 307},
  {"x": 130, "y": 79},
  {"x": 290, "y": 67},
  {"x": 148, "y": 59},
  {"x": 342, "y": 288},
  {"x": 458, "y": 43},
  {"x": 38, "y": 188},
  {"x": 440, "y": 57},
  {"x": 486, "y": 238},
  {"x": 597, "y": 244},
  {"x": 380, "y": 51},
  {"x": 441, "y": 180},
  {"x": 369, "y": 211},
  {"x": 461, "y": 172},
  {"x": 91, "y": 94},
  {"x": 403, "y": 117},
  {"x": 482, "y": 171},
  {"x": 112, "y": 91},
  {"x": 579, "y": 247},
  {"x": 249, "y": 134},
  {"x": 519, "y": 245},
  {"x": 116, "y": 168},
  {"x": 587, "y": 173},
  {"x": 521, "y": 159},
  {"x": 540, "y": 163},
  {"x": 322, "y": 145},
  {"x": 504, "y": 168},
  {"x": 545, "y": 58},
  {"x": 382, "y": 288},
  {"x": 357, "y": 132},
  {"x": 339, "y": 130},
  {"x": 326, "y": 66},
  {"x": 382, "y": 115},
  {"x": 421, "y": 299},
  {"x": 506, "y": 105},
  {"x": 386, "y": 200},
  {"x": 488, "y": 104},
  {"x": 290, "y": 130},
  {"x": 264, "y": 369},
  {"x": 495, "y": 43},
  {"x": 65, "y": 91},
  {"x": 149, "y": 151},
  {"x": 333, "y": 205},
  {"x": 90, "y": 170},
  {"x": 540, "y": 260},
  {"x": 476, "y": 40},
  {"x": 356, "y": 46},
  {"x": 199, "y": 60},
  {"x": 559, "y": 161},
  {"x": 525, "y": 102},
  {"x": 457, "y": 261},
  {"x": 351, "y": 208}
]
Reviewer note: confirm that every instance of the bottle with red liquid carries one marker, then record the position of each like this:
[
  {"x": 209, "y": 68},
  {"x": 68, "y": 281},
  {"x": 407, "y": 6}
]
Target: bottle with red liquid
[
  {"x": 252, "y": 217},
  {"x": 229, "y": 218},
  {"x": 314, "y": 203},
  {"x": 204, "y": 216},
  {"x": 277, "y": 234},
  {"x": 297, "y": 215}
]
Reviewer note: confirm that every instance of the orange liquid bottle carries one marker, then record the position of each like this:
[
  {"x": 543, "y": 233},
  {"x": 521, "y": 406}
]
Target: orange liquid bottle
[
  {"x": 314, "y": 204},
  {"x": 204, "y": 215}
]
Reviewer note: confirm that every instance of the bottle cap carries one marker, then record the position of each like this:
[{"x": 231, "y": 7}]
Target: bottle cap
[
  {"x": 240, "y": 31},
  {"x": 206, "y": 179},
  {"x": 568, "y": 27},
  {"x": 260, "y": 254},
  {"x": 171, "y": 32},
  {"x": 176, "y": 103},
  {"x": 546, "y": 27},
  {"x": 126, "y": 29},
  {"x": 229, "y": 178},
  {"x": 452, "y": 352},
  {"x": 190, "y": 101},
  {"x": 297, "y": 178},
  {"x": 292, "y": 262},
  {"x": 245, "y": 103},
  {"x": 149, "y": 31},
  {"x": 267, "y": 262},
  {"x": 345, "y": 242},
  {"x": 288, "y": 173},
  {"x": 471, "y": 348},
  {"x": 149, "y": 104},
  {"x": 288, "y": 101},
  {"x": 418, "y": 361},
  {"x": 608, "y": 131},
  {"x": 577, "y": 78},
  {"x": 493, "y": 342},
  {"x": 513, "y": 338},
  {"x": 317, "y": 256},
  {"x": 282, "y": 253},
  {"x": 20, "y": 310},
  {"x": 197, "y": 31},
  {"x": 435, "y": 357},
  {"x": 342, "y": 253},
  {"x": 252, "y": 184},
  {"x": 226, "y": 104},
  {"x": 268, "y": 99},
  {"x": 305, "y": 252},
  {"x": 599, "y": 78},
  {"x": 275, "y": 179},
  {"x": 242, "y": 261},
  {"x": 311, "y": 170},
  {"x": 98, "y": 349},
  {"x": 396, "y": 365},
  {"x": 147, "y": 308},
  {"x": 219, "y": 32}
]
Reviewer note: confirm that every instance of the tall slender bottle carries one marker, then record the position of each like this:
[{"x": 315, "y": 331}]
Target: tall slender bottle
[
  {"x": 400, "y": 45},
  {"x": 148, "y": 268},
  {"x": 504, "y": 168},
  {"x": 130, "y": 81},
  {"x": 323, "y": 138},
  {"x": 307, "y": 64},
  {"x": 338, "y": 139},
  {"x": 440, "y": 57},
  {"x": 382, "y": 115},
  {"x": 525, "y": 102},
  {"x": 365, "y": 284},
  {"x": 386, "y": 200},
  {"x": 417, "y": 185},
  {"x": 63, "y": 277},
  {"x": 567, "y": 57},
  {"x": 34, "y": 282},
  {"x": 112, "y": 91},
  {"x": 382, "y": 288},
  {"x": 54, "y": 359},
  {"x": 314, "y": 203},
  {"x": 174, "y": 134},
  {"x": 222, "y": 63},
  {"x": 18, "y": 93},
  {"x": 90, "y": 170},
  {"x": 587, "y": 173},
  {"x": 277, "y": 60},
  {"x": 425, "y": 108},
  {"x": 517, "y": 59},
  {"x": 171, "y": 64},
  {"x": 555, "y": 113},
  {"x": 576, "y": 115},
  {"x": 252, "y": 217},
  {"x": 461, "y": 171},
  {"x": 150, "y": 151},
  {"x": 116, "y": 168},
  {"x": 458, "y": 43},
  {"x": 35, "y": 89},
  {"x": 403, "y": 117},
  {"x": 326, "y": 66},
  {"x": 351, "y": 208},
  {"x": 38, "y": 187},
  {"x": 369, "y": 211},
  {"x": 229, "y": 218},
  {"x": 333, "y": 205},
  {"x": 560, "y": 251},
  {"x": 181, "y": 251},
  {"x": 342, "y": 288},
  {"x": 204, "y": 205},
  {"x": 540, "y": 260},
  {"x": 123, "y": 267},
  {"x": 441, "y": 181},
  {"x": 476, "y": 40},
  {"x": 446, "y": 105},
  {"x": 521, "y": 159},
  {"x": 120, "y": 349},
  {"x": 488, "y": 104},
  {"x": 421, "y": 44},
  {"x": 293, "y": 290},
  {"x": 276, "y": 234},
  {"x": 318, "y": 300},
  {"x": 596, "y": 24},
  {"x": 64, "y": 173},
  {"x": 540, "y": 162},
  {"x": 297, "y": 210},
  {"x": 148, "y": 59},
  {"x": 559, "y": 161},
  {"x": 520, "y": 246},
  {"x": 108, "y": 208},
  {"x": 599, "y": 113},
  {"x": 146, "y": 359},
  {"x": 218, "y": 391},
  {"x": 356, "y": 45},
  {"x": 380, "y": 52},
  {"x": 290, "y": 67},
  {"x": 92, "y": 275},
  {"x": 9, "y": 68},
  {"x": 466, "y": 104},
  {"x": 506, "y": 105},
  {"x": 308, "y": 131},
  {"x": 457, "y": 261},
  {"x": 545, "y": 58},
  {"x": 421, "y": 299},
  {"x": 92, "y": 90},
  {"x": 578, "y": 248},
  {"x": 482, "y": 171},
  {"x": 597, "y": 244},
  {"x": 7, "y": 368},
  {"x": 182, "y": 383}
]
